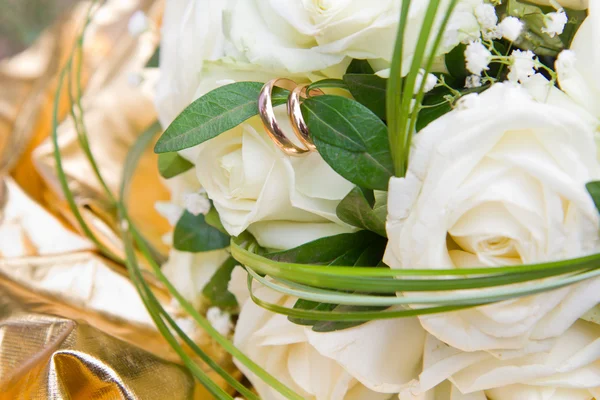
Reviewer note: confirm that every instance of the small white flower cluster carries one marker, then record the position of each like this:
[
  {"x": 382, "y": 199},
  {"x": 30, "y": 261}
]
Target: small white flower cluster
[
  {"x": 478, "y": 58},
  {"x": 220, "y": 320},
  {"x": 477, "y": 55},
  {"x": 473, "y": 81},
  {"x": 522, "y": 66},
  {"x": 430, "y": 82},
  {"x": 196, "y": 203},
  {"x": 510, "y": 28},
  {"x": 554, "y": 23}
]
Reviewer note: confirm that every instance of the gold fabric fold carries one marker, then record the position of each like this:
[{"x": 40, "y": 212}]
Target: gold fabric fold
[
  {"x": 72, "y": 325},
  {"x": 46, "y": 356}
]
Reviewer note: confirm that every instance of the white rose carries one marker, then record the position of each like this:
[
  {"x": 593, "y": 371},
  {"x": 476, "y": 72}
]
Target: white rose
[
  {"x": 367, "y": 362},
  {"x": 577, "y": 68},
  {"x": 283, "y": 201},
  {"x": 501, "y": 182},
  {"x": 567, "y": 370},
  {"x": 302, "y": 39},
  {"x": 191, "y": 34},
  {"x": 188, "y": 272},
  {"x": 573, "y": 4},
  {"x": 311, "y": 35}
]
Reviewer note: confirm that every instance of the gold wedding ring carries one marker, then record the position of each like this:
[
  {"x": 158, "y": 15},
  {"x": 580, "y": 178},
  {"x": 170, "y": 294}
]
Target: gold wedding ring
[
  {"x": 296, "y": 118},
  {"x": 267, "y": 115}
]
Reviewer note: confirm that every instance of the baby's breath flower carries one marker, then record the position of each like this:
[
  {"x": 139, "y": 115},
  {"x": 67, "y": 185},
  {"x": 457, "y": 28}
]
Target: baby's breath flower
[
  {"x": 491, "y": 34},
  {"x": 555, "y": 23},
  {"x": 430, "y": 82},
  {"x": 472, "y": 81},
  {"x": 478, "y": 58},
  {"x": 522, "y": 65},
  {"x": 486, "y": 16},
  {"x": 511, "y": 28},
  {"x": 220, "y": 320},
  {"x": 196, "y": 203}
]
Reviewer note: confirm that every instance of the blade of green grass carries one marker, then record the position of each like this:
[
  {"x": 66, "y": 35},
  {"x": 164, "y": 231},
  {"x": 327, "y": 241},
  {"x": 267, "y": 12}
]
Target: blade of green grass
[
  {"x": 134, "y": 154},
  {"x": 394, "y": 93}
]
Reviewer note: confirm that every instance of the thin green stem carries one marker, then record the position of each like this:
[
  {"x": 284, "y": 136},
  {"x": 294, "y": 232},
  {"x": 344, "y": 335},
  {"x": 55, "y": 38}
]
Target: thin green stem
[
  {"x": 152, "y": 304},
  {"x": 220, "y": 339},
  {"x": 335, "y": 297},
  {"x": 257, "y": 261},
  {"x": 60, "y": 172},
  {"x": 417, "y": 61},
  {"x": 352, "y": 315},
  {"x": 428, "y": 67},
  {"x": 394, "y": 94},
  {"x": 130, "y": 165},
  {"x": 79, "y": 116}
]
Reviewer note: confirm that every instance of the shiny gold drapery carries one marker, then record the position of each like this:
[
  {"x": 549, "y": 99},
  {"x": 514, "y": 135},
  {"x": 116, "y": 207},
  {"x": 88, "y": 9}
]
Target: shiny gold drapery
[{"x": 71, "y": 323}]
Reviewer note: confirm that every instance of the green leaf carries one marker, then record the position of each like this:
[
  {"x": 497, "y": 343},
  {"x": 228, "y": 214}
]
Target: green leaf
[
  {"x": 172, "y": 164},
  {"x": 368, "y": 90},
  {"x": 455, "y": 62},
  {"x": 359, "y": 67},
  {"x": 355, "y": 210},
  {"x": 331, "y": 326},
  {"x": 194, "y": 235},
  {"x": 216, "y": 289},
  {"x": 154, "y": 59},
  {"x": 216, "y": 112},
  {"x": 576, "y": 18},
  {"x": 351, "y": 139},
  {"x": 435, "y": 104},
  {"x": 213, "y": 219},
  {"x": 594, "y": 189},
  {"x": 342, "y": 249},
  {"x": 327, "y": 84},
  {"x": 362, "y": 248}
]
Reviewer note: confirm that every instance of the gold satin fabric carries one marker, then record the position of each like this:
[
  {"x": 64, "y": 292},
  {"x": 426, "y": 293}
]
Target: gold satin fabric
[
  {"x": 46, "y": 356},
  {"x": 72, "y": 325}
]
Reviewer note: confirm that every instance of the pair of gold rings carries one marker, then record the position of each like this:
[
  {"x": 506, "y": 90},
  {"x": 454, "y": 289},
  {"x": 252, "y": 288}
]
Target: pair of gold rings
[{"x": 267, "y": 115}]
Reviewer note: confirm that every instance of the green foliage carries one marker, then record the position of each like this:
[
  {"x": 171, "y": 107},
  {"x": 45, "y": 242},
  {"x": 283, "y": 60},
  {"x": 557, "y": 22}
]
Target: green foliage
[
  {"x": 154, "y": 59},
  {"x": 216, "y": 289},
  {"x": 359, "y": 67},
  {"x": 594, "y": 190},
  {"x": 195, "y": 235},
  {"x": 362, "y": 248},
  {"x": 330, "y": 326},
  {"x": 213, "y": 219},
  {"x": 351, "y": 139},
  {"x": 368, "y": 90},
  {"x": 216, "y": 112},
  {"x": 442, "y": 99},
  {"x": 355, "y": 209},
  {"x": 328, "y": 84},
  {"x": 435, "y": 104},
  {"x": 455, "y": 62},
  {"x": 172, "y": 164},
  {"x": 532, "y": 37}
]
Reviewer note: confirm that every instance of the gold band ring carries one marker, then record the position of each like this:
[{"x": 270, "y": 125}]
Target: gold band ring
[
  {"x": 267, "y": 115},
  {"x": 295, "y": 115}
]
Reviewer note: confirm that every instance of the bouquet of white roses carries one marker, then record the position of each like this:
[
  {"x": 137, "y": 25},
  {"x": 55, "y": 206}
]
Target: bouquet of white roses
[{"x": 398, "y": 197}]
